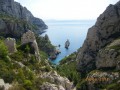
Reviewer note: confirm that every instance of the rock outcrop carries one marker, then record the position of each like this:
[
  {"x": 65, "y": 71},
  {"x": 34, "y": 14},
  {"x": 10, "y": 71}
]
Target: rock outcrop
[
  {"x": 3, "y": 85},
  {"x": 99, "y": 77},
  {"x": 105, "y": 30},
  {"x": 16, "y": 19},
  {"x": 109, "y": 57},
  {"x": 49, "y": 86},
  {"x": 59, "y": 83},
  {"x": 29, "y": 37},
  {"x": 11, "y": 44}
]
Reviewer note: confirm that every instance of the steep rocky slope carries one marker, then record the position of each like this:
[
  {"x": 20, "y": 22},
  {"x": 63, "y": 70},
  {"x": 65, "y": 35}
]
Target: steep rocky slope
[
  {"x": 96, "y": 51},
  {"x": 16, "y": 19},
  {"x": 25, "y": 68}
]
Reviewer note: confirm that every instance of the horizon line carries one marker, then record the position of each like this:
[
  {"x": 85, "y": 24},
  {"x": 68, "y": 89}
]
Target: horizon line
[{"x": 68, "y": 19}]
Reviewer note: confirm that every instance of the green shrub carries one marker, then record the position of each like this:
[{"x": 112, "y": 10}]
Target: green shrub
[
  {"x": 82, "y": 85},
  {"x": 3, "y": 50},
  {"x": 6, "y": 71},
  {"x": 27, "y": 48},
  {"x": 44, "y": 44},
  {"x": 117, "y": 47},
  {"x": 17, "y": 56},
  {"x": 16, "y": 86},
  {"x": 68, "y": 68},
  {"x": 27, "y": 84},
  {"x": 113, "y": 86}
]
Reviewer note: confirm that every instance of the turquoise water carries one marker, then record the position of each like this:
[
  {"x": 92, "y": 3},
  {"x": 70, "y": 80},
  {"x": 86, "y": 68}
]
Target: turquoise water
[{"x": 60, "y": 31}]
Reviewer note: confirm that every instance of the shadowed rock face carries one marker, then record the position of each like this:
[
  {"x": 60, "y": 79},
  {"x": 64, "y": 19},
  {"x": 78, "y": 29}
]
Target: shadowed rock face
[
  {"x": 16, "y": 29},
  {"x": 105, "y": 30}
]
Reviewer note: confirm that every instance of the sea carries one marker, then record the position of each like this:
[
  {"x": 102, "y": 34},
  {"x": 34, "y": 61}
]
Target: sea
[{"x": 73, "y": 30}]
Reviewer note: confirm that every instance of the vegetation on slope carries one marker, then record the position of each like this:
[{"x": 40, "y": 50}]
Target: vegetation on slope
[
  {"x": 44, "y": 44},
  {"x": 68, "y": 68},
  {"x": 22, "y": 69}
]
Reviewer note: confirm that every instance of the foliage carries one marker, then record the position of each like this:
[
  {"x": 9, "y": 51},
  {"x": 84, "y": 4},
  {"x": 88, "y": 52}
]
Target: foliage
[
  {"x": 17, "y": 56},
  {"x": 68, "y": 59},
  {"x": 16, "y": 86},
  {"x": 27, "y": 48},
  {"x": 44, "y": 44},
  {"x": 113, "y": 86},
  {"x": 6, "y": 71},
  {"x": 117, "y": 47},
  {"x": 82, "y": 85},
  {"x": 3, "y": 50},
  {"x": 68, "y": 69},
  {"x": 25, "y": 76},
  {"x": 43, "y": 55}
]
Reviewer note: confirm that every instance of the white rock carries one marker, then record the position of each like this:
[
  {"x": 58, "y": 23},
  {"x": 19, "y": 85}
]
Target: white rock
[{"x": 11, "y": 45}]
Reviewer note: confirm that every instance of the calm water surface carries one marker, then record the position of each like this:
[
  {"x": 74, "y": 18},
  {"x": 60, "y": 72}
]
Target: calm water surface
[{"x": 60, "y": 31}]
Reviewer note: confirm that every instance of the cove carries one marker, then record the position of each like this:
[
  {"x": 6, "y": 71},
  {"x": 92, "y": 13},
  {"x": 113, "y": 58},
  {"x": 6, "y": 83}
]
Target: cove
[{"x": 60, "y": 31}]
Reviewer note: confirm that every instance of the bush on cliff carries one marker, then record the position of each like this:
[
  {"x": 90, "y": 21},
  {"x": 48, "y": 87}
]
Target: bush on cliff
[
  {"x": 68, "y": 68},
  {"x": 44, "y": 44},
  {"x": 3, "y": 50}
]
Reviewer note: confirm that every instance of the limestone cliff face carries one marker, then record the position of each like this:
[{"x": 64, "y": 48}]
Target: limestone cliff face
[
  {"x": 22, "y": 19},
  {"x": 105, "y": 31}
]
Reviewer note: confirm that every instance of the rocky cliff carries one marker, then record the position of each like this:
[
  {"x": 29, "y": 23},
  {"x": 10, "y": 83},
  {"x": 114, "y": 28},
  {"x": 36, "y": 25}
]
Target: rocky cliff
[
  {"x": 100, "y": 50},
  {"x": 16, "y": 19}
]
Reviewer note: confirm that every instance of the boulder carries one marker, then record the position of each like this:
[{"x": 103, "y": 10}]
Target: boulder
[
  {"x": 3, "y": 85},
  {"x": 11, "y": 44},
  {"x": 58, "y": 80}
]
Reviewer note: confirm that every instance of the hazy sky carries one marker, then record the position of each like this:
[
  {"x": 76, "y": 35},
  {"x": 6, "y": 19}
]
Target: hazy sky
[{"x": 66, "y": 9}]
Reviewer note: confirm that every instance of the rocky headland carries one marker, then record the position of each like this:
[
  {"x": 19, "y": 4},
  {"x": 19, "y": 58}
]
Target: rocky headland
[{"x": 16, "y": 19}]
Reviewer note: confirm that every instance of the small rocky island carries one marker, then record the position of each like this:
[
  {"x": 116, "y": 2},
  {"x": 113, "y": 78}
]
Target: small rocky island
[{"x": 67, "y": 44}]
